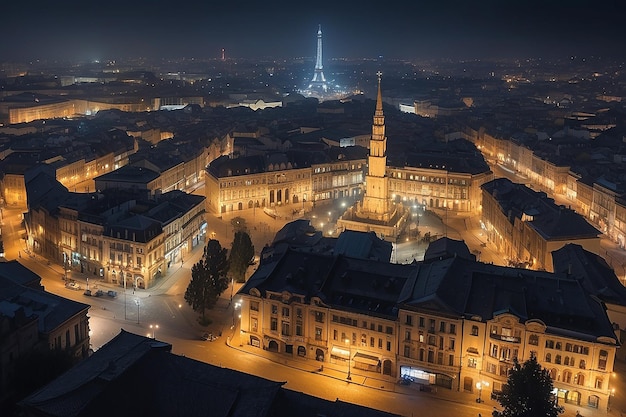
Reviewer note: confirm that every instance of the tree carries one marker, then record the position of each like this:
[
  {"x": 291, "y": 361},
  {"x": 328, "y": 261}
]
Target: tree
[
  {"x": 528, "y": 392},
  {"x": 241, "y": 253},
  {"x": 208, "y": 279},
  {"x": 239, "y": 224}
]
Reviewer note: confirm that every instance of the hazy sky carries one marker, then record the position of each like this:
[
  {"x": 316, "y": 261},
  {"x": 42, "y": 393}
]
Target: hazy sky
[{"x": 86, "y": 30}]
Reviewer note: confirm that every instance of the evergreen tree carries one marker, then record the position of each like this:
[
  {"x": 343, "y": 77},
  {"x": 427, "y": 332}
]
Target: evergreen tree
[
  {"x": 241, "y": 253},
  {"x": 208, "y": 278},
  {"x": 528, "y": 392}
]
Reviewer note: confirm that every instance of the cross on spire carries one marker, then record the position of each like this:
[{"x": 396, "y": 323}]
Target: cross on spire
[{"x": 379, "y": 74}]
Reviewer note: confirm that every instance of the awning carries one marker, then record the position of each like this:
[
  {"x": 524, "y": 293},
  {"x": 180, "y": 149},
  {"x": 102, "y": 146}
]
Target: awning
[
  {"x": 367, "y": 359},
  {"x": 340, "y": 352}
]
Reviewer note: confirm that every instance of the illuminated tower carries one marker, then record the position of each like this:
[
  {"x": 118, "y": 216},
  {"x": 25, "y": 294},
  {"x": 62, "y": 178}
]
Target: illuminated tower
[
  {"x": 319, "y": 81},
  {"x": 376, "y": 200}
]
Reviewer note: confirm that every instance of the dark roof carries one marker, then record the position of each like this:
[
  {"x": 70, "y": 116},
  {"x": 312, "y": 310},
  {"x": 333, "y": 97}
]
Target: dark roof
[
  {"x": 137, "y": 376},
  {"x": 51, "y": 309},
  {"x": 19, "y": 274},
  {"x": 129, "y": 173},
  {"x": 445, "y": 248},
  {"x": 471, "y": 289},
  {"x": 549, "y": 220},
  {"x": 591, "y": 271}
]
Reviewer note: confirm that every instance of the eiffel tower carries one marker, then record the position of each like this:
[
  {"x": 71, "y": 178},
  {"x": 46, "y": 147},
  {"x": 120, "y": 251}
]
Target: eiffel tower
[{"x": 319, "y": 81}]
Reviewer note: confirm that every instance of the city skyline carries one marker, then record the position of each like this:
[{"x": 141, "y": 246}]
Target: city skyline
[{"x": 449, "y": 30}]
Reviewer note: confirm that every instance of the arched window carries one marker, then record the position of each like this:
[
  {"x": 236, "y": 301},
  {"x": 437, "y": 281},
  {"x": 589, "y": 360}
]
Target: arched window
[
  {"x": 553, "y": 374},
  {"x": 548, "y": 357},
  {"x": 567, "y": 376},
  {"x": 557, "y": 359},
  {"x": 580, "y": 379},
  {"x": 566, "y": 361},
  {"x": 533, "y": 340}
]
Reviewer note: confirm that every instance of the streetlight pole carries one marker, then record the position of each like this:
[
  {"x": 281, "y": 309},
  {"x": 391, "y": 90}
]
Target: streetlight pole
[
  {"x": 349, "y": 378},
  {"x": 137, "y": 302},
  {"x": 124, "y": 279},
  {"x": 480, "y": 386}
]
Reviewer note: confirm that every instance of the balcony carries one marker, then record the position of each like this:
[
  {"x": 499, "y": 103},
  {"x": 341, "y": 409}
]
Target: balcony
[{"x": 510, "y": 339}]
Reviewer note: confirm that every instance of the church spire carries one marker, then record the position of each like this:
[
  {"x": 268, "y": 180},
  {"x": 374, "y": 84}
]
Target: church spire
[{"x": 379, "y": 97}]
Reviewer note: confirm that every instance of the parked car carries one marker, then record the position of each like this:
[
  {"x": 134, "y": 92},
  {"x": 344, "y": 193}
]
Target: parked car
[
  {"x": 87, "y": 293},
  {"x": 99, "y": 293},
  {"x": 72, "y": 285},
  {"x": 206, "y": 336},
  {"x": 112, "y": 293}
]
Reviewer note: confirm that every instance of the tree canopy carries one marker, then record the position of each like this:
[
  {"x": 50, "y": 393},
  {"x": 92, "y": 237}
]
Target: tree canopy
[
  {"x": 241, "y": 253},
  {"x": 208, "y": 278},
  {"x": 528, "y": 392}
]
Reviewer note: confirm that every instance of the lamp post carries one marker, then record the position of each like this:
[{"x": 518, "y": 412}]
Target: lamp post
[
  {"x": 480, "y": 386},
  {"x": 137, "y": 302},
  {"x": 235, "y": 307},
  {"x": 153, "y": 328},
  {"x": 349, "y": 378}
]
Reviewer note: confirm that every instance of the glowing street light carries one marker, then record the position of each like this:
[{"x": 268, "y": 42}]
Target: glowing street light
[
  {"x": 154, "y": 329},
  {"x": 480, "y": 386}
]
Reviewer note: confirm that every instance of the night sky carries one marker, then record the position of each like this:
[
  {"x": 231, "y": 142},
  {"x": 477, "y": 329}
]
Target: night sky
[{"x": 455, "y": 29}]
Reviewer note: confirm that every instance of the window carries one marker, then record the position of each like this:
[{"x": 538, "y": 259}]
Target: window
[
  {"x": 380, "y": 343},
  {"x": 298, "y": 329},
  {"x": 439, "y": 358},
  {"x": 548, "y": 357},
  {"x": 274, "y": 309},
  {"x": 442, "y": 326},
  {"x": 285, "y": 328},
  {"x": 319, "y": 317},
  {"x": 557, "y": 359},
  {"x": 299, "y": 313},
  {"x": 450, "y": 360},
  {"x": 409, "y": 320},
  {"x": 274, "y": 324},
  {"x": 318, "y": 333},
  {"x": 491, "y": 368},
  {"x": 431, "y": 356},
  {"x": 421, "y": 322},
  {"x": 254, "y": 305},
  {"x": 452, "y": 328},
  {"x": 582, "y": 364},
  {"x": 472, "y": 362},
  {"x": 372, "y": 342},
  {"x": 285, "y": 312},
  {"x": 389, "y": 346},
  {"x": 364, "y": 339},
  {"x": 579, "y": 379},
  {"x": 558, "y": 346},
  {"x": 389, "y": 330},
  {"x": 533, "y": 340},
  {"x": 407, "y": 351},
  {"x": 431, "y": 325},
  {"x": 568, "y": 347},
  {"x": 451, "y": 344},
  {"x": 407, "y": 335},
  {"x": 550, "y": 344},
  {"x": 335, "y": 334},
  {"x": 599, "y": 383},
  {"x": 567, "y": 377},
  {"x": 474, "y": 331},
  {"x": 421, "y": 338},
  {"x": 604, "y": 355}
]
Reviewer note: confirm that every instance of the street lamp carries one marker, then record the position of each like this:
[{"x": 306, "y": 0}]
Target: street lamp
[
  {"x": 235, "y": 307},
  {"x": 349, "y": 378},
  {"x": 137, "y": 302},
  {"x": 480, "y": 386},
  {"x": 153, "y": 328}
]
